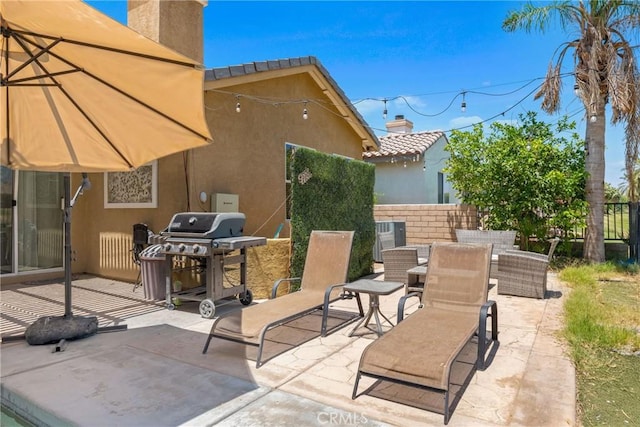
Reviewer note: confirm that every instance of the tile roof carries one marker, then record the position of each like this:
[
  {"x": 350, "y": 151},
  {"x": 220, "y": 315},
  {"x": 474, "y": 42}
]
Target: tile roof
[
  {"x": 404, "y": 144},
  {"x": 262, "y": 66}
]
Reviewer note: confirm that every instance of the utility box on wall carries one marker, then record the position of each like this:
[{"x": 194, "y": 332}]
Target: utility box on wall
[{"x": 221, "y": 202}]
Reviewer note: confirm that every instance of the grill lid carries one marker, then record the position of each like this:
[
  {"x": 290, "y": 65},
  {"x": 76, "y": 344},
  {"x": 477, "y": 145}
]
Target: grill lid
[{"x": 206, "y": 225}]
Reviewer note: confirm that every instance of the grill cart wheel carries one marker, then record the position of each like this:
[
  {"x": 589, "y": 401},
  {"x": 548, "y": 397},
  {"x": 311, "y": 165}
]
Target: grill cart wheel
[
  {"x": 207, "y": 308},
  {"x": 246, "y": 298}
]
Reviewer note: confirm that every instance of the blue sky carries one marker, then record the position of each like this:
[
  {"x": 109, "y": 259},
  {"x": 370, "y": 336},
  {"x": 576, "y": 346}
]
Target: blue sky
[{"x": 420, "y": 56}]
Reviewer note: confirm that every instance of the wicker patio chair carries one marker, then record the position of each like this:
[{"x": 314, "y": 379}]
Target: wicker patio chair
[
  {"x": 423, "y": 252},
  {"x": 523, "y": 273},
  {"x": 387, "y": 240},
  {"x": 397, "y": 261},
  {"x": 502, "y": 241},
  {"x": 432, "y": 347}
]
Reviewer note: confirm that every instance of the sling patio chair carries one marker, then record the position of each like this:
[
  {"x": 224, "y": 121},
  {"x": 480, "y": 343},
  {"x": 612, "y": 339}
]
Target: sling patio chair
[
  {"x": 422, "y": 350},
  {"x": 325, "y": 271}
]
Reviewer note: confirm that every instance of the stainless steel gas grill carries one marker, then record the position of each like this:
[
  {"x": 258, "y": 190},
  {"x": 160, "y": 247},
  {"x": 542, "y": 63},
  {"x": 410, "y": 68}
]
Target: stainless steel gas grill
[{"x": 215, "y": 241}]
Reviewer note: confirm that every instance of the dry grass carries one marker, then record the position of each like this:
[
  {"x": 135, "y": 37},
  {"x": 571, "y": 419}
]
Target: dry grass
[{"x": 603, "y": 328}]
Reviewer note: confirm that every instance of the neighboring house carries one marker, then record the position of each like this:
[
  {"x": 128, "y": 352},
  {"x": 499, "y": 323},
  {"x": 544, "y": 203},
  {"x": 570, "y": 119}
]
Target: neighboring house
[
  {"x": 409, "y": 166},
  {"x": 247, "y": 158}
]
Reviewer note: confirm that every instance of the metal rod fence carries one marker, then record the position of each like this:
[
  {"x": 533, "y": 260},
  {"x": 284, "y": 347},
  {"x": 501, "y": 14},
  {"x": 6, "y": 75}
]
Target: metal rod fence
[
  {"x": 620, "y": 222},
  {"x": 617, "y": 222}
]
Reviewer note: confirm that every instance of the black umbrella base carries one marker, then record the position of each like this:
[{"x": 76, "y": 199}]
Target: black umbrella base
[{"x": 51, "y": 329}]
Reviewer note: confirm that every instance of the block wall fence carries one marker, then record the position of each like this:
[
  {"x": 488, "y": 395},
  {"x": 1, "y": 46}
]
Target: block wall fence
[{"x": 426, "y": 224}]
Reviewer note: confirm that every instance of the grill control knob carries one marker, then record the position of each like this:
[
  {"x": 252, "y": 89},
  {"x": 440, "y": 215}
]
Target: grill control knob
[
  {"x": 182, "y": 247},
  {"x": 168, "y": 247},
  {"x": 196, "y": 248}
]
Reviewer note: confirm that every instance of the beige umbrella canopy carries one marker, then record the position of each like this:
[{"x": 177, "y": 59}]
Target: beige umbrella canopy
[{"x": 81, "y": 92}]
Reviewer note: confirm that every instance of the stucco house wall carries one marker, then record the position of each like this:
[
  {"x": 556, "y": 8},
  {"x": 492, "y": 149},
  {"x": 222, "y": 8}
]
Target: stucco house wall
[
  {"x": 102, "y": 238},
  {"x": 409, "y": 165},
  {"x": 247, "y": 158},
  {"x": 435, "y": 161},
  {"x": 414, "y": 180}
]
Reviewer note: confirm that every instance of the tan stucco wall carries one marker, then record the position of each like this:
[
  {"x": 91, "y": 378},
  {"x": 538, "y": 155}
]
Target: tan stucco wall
[
  {"x": 247, "y": 158},
  {"x": 103, "y": 237},
  {"x": 175, "y": 24},
  {"x": 249, "y": 148}
]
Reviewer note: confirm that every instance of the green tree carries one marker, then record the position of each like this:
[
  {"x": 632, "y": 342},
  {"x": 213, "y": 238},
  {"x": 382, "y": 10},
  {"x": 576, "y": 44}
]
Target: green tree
[
  {"x": 606, "y": 71},
  {"x": 528, "y": 178}
]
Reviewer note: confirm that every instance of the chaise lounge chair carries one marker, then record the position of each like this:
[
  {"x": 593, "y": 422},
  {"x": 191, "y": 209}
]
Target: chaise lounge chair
[
  {"x": 421, "y": 350},
  {"x": 325, "y": 271}
]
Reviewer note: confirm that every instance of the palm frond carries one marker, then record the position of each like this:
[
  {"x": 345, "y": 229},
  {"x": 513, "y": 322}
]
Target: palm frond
[{"x": 550, "y": 89}]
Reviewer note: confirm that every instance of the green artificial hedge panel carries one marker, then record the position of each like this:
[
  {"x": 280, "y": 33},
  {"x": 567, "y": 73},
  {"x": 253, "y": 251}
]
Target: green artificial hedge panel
[{"x": 332, "y": 193}]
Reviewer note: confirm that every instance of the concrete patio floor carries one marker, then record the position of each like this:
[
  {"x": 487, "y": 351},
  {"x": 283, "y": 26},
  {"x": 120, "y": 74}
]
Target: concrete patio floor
[{"x": 154, "y": 373}]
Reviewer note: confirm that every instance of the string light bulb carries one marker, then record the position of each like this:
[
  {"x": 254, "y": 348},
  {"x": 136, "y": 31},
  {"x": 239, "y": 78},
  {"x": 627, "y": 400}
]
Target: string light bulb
[
  {"x": 593, "y": 118},
  {"x": 576, "y": 89},
  {"x": 384, "y": 112},
  {"x": 305, "y": 113},
  {"x": 237, "y": 104},
  {"x": 463, "y": 107}
]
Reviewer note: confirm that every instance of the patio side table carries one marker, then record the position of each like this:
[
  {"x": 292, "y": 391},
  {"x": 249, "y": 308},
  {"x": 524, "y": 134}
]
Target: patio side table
[{"x": 374, "y": 288}]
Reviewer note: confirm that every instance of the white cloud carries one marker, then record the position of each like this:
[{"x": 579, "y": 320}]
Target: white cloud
[
  {"x": 513, "y": 122},
  {"x": 369, "y": 106},
  {"x": 414, "y": 101},
  {"x": 464, "y": 122}
]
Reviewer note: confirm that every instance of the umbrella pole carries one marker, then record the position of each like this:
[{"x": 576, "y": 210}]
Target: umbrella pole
[
  {"x": 67, "y": 245},
  {"x": 50, "y": 329}
]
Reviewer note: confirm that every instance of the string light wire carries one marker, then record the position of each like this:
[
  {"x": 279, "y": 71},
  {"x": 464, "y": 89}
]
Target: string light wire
[{"x": 325, "y": 105}]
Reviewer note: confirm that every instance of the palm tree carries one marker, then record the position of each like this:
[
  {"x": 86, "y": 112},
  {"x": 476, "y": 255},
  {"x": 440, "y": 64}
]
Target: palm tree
[
  {"x": 606, "y": 72},
  {"x": 631, "y": 183},
  {"x": 613, "y": 194}
]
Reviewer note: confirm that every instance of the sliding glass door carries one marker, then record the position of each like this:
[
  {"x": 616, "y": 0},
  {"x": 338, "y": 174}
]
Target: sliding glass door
[
  {"x": 32, "y": 221},
  {"x": 6, "y": 220}
]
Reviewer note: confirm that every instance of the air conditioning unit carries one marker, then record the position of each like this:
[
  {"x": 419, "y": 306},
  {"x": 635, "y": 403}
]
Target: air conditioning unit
[{"x": 399, "y": 233}]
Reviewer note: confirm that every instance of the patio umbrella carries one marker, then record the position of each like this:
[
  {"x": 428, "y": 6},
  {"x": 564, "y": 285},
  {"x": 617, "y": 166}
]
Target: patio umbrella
[{"x": 81, "y": 92}]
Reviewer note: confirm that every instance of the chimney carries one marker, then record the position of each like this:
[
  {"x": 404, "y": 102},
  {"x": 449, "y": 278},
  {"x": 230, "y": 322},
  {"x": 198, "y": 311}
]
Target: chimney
[
  {"x": 177, "y": 24},
  {"x": 399, "y": 125}
]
